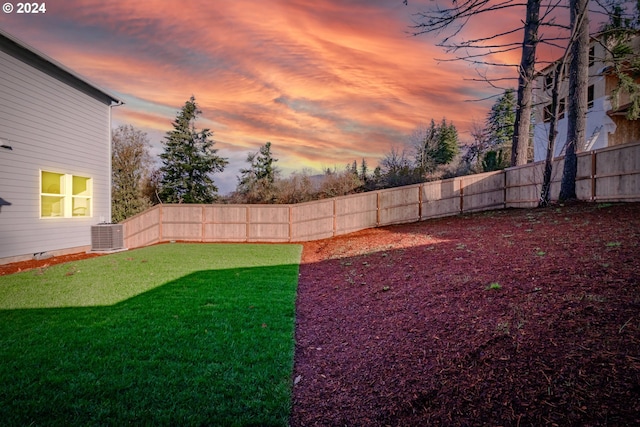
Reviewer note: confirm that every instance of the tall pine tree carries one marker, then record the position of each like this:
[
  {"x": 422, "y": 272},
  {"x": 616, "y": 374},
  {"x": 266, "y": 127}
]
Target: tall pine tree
[
  {"x": 500, "y": 127},
  {"x": 189, "y": 160},
  {"x": 257, "y": 183},
  {"x": 435, "y": 145}
]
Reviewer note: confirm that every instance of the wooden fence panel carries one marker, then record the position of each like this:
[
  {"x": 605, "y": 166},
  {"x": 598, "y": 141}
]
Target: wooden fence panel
[
  {"x": 556, "y": 179},
  {"x": 483, "y": 191},
  {"x": 584, "y": 176},
  {"x": 618, "y": 188},
  {"x": 268, "y": 223},
  {"x": 142, "y": 229},
  {"x": 523, "y": 185},
  {"x": 398, "y": 205},
  {"x": 440, "y": 198},
  {"x": 618, "y": 173},
  {"x": 226, "y": 223},
  {"x": 312, "y": 220},
  {"x": 182, "y": 214},
  {"x": 182, "y": 222},
  {"x": 356, "y": 212}
]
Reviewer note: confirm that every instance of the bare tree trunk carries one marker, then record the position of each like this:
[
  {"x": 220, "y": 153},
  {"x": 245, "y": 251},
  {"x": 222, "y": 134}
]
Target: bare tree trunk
[
  {"x": 577, "y": 103},
  {"x": 522, "y": 126},
  {"x": 545, "y": 194}
]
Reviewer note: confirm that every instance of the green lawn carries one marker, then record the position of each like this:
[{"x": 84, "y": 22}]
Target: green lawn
[{"x": 175, "y": 334}]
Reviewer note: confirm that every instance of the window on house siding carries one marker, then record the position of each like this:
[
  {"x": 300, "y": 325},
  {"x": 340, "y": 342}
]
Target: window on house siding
[
  {"x": 590, "y": 96},
  {"x": 52, "y": 194},
  {"x": 81, "y": 196},
  {"x": 592, "y": 56},
  {"x": 64, "y": 195}
]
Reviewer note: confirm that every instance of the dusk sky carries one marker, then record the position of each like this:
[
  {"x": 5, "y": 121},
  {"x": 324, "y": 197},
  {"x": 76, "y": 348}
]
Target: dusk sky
[{"x": 326, "y": 82}]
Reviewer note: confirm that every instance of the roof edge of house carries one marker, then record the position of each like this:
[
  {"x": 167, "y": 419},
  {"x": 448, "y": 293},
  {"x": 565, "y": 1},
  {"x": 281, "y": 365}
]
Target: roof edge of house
[{"x": 52, "y": 62}]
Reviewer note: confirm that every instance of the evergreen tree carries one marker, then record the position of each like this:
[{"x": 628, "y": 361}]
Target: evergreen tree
[
  {"x": 189, "y": 160},
  {"x": 354, "y": 168},
  {"x": 447, "y": 143},
  {"x": 377, "y": 179},
  {"x": 130, "y": 168},
  {"x": 256, "y": 184},
  {"x": 499, "y": 131},
  {"x": 501, "y": 120},
  {"x": 435, "y": 145},
  {"x": 364, "y": 171},
  {"x": 494, "y": 160}
]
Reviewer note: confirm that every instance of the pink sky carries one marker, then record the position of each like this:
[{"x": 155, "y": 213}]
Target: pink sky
[{"x": 326, "y": 82}]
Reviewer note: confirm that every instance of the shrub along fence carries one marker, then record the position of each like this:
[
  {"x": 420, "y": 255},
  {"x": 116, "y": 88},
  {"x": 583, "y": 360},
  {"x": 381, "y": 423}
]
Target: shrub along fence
[{"x": 609, "y": 174}]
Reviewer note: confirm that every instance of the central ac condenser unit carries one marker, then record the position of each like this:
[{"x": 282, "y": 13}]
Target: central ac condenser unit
[{"x": 107, "y": 237}]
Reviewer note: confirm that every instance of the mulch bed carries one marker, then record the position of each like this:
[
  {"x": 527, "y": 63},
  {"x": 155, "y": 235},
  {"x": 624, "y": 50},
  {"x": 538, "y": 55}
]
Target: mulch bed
[
  {"x": 401, "y": 326},
  {"x": 502, "y": 318},
  {"x": 17, "y": 267}
]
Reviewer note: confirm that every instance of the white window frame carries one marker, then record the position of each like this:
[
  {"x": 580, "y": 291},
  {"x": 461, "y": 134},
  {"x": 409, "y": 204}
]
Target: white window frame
[{"x": 68, "y": 199}]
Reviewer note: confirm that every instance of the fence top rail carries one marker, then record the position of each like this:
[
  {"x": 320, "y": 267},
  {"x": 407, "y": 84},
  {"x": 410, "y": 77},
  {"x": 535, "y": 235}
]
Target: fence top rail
[
  {"x": 612, "y": 148},
  {"x": 140, "y": 214},
  {"x": 580, "y": 154}
]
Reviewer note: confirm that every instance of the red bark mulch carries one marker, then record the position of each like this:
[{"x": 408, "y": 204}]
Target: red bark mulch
[
  {"x": 17, "y": 267},
  {"x": 399, "y": 326}
]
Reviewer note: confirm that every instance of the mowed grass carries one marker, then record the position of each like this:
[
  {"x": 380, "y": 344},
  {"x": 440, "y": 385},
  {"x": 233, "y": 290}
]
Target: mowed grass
[{"x": 175, "y": 334}]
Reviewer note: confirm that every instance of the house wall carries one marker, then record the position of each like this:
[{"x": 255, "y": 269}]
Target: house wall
[
  {"x": 602, "y": 129},
  {"x": 51, "y": 125}
]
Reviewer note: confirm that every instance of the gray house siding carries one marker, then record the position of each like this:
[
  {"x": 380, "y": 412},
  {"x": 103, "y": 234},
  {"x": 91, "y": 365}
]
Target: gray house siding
[{"x": 53, "y": 122}]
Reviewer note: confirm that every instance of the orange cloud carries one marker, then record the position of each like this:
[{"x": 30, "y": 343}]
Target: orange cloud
[{"x": 326, "y": 82}]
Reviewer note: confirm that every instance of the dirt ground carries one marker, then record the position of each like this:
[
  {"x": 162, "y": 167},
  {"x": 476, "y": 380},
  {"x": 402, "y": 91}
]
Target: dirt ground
[
  {"x": 505, "y": 318},
  {"x": 502, "y": 318}
]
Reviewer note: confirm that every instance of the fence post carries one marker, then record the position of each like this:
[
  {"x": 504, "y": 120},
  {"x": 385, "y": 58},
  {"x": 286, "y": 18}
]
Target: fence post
[
  {"x": 247, "y": 222},
  {"x": 420, "y": 202},
  {"x": 594, "y": 163},
  {"x": 378, "y": 208},
  {"x": 335, "y": 217},
  {"x": 160, "y": 224},
  {"x": 202, "y": 226},
  {"x": 290, "y": 223},
  {"x": 504, "y": 185},
  {"x": 461, "y": 195}
]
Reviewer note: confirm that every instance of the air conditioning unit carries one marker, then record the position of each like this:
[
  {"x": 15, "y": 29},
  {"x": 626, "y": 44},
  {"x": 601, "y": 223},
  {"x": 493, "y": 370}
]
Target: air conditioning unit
[{"x": 107, "y": 237}]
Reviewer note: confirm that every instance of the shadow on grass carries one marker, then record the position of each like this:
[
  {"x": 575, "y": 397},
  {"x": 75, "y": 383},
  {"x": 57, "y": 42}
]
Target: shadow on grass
[{"x": 213, "y": 347}]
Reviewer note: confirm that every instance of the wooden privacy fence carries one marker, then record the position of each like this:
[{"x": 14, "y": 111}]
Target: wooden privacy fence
[{"x": 610, "y": 174}]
